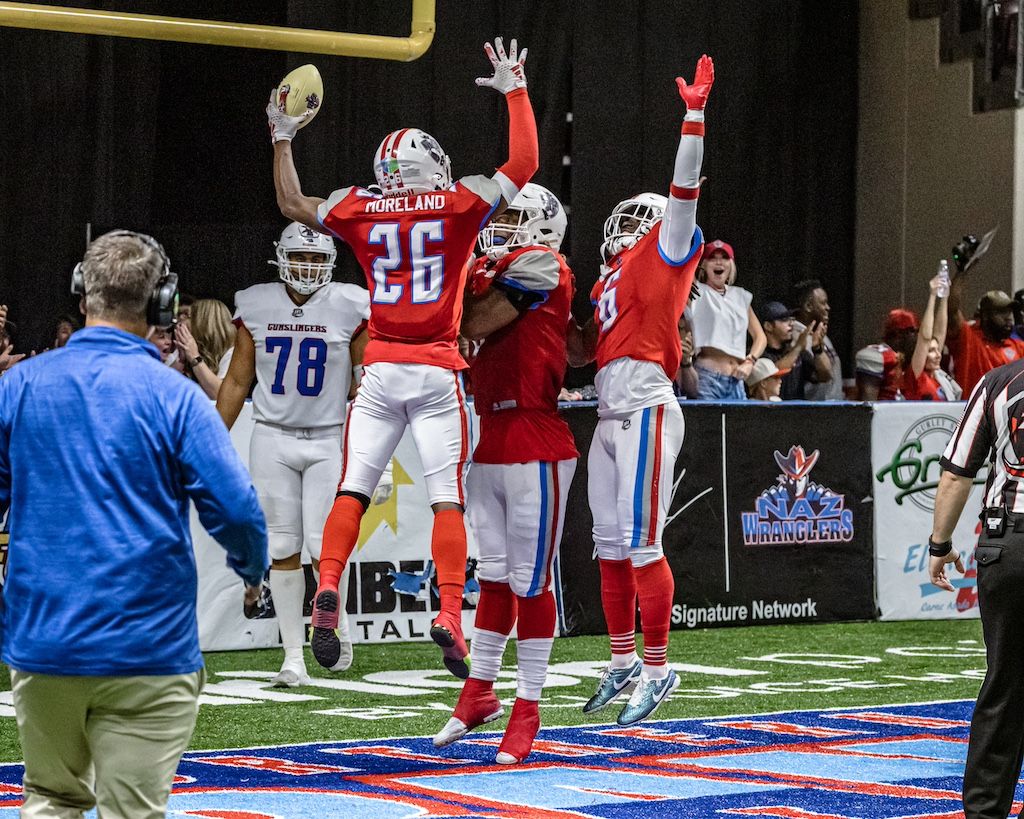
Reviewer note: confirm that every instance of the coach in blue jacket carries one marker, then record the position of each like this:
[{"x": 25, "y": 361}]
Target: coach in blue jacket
[{"x": 101, "y": 449}]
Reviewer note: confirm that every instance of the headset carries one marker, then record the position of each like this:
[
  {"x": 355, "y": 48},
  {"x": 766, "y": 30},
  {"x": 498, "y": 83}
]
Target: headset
[{"x": 162, "y": 307}]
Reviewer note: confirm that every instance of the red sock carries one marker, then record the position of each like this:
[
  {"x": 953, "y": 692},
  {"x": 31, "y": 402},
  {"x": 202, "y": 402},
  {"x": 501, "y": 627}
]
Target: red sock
[
  {"x": 536, "y": 617},
  {"x": 657, "y": 587},
  {"x": 448, "y": 549},
  {"x": 340, "y": 535},
  {"x": 496, "y": 609},
  {"x": 618, "y": 598}
]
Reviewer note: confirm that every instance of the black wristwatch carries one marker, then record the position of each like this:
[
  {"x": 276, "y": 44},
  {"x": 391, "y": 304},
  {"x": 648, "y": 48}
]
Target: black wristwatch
[
  {"x": 939, "y": 549},
  {"x": 195, "y": 362}
]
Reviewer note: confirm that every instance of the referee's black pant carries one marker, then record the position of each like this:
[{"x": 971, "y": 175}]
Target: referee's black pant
[{"x": 996, "y": 746}]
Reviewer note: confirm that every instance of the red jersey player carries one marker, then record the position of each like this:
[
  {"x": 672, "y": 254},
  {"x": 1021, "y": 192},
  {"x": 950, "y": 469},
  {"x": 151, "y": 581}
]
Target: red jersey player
[
  {"x": 524, "y": 461},
  {"x": 413, "y": 239},
  {"x": 652, "y": 248}
]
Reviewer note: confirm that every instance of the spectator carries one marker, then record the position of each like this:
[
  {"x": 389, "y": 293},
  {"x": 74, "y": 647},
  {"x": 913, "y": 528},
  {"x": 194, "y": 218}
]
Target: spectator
[
  {"x": 62, "y": 331},
  {"x": 1018, "y": 316},
  {"x": 880, "y": 366},
  {"x": 721, "y": 319},
  {"x": 810, "y": 302},
  {"x": 923, "y": 378},
  {"x": 207, "y": 343},
  {"x": 765, "y": 380},
  {"x": 982, "y": 345},
  {"x": 794, "y": 354},
  {"x": 185, "y": 302},
  {"x": 102, "y": 638},
  {"x": 163, "y": 339},
  {"x": 8, "y": 358},
  {"x": 686, "y": 380}
]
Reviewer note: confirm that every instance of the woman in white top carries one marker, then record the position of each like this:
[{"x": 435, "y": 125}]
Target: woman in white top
[
  {"x": 208, "y": 345},
  {"x": 722, "y": 319}
]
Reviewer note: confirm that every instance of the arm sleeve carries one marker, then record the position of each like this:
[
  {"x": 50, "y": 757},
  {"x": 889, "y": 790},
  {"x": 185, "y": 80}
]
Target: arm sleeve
[
  {"x": 680, "y": 221},
  {"x": 221, "y": 489},
  {"x": 523, "y": 153},
  {"x": 968, "y": 449}
]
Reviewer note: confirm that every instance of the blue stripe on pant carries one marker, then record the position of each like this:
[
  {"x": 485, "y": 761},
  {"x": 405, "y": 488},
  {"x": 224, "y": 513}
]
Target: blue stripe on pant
[
  {"x": 639, "y": 487},
  {"x": 542, "y": 530}
]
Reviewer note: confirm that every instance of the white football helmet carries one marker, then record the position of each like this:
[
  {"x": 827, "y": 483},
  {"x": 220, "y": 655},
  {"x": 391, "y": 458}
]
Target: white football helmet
[
  {"x": 304, "y": 277},
  {"x": 535, "y": 217},
  {"x": 630, "y": 221},
  {"x": 410, "y": 160}
]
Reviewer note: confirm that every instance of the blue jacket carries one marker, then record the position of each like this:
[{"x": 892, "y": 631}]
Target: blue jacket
[{"x": 101, "y": 449}]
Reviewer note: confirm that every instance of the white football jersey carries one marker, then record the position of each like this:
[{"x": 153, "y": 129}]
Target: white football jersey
[{"x": 303, "y": 365}]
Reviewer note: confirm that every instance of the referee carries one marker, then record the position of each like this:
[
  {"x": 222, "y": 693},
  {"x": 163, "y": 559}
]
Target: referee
[
  {"x": 101, "y": 449},
  {"x": 990, "y": 433}
]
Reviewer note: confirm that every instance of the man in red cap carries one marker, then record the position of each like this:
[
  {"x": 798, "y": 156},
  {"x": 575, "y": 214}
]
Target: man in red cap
[
  {"x": 981, "y": 345},
  {"x": 880, "y": 366}
]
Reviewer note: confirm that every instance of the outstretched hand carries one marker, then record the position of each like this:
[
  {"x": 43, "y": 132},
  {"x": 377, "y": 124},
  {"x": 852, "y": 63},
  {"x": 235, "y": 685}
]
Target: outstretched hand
[
  {"x": 282, "y": 127},
  {"x": 696, "y": 95},
  {"x": 509, "y": 73}
]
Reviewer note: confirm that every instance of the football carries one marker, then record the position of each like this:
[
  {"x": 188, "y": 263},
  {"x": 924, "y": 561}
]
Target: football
[{"x": 300, "y": 91}]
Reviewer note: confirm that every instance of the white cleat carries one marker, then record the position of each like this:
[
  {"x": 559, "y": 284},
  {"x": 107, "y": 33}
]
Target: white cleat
[
  {"x": 344, "y": 646},
  {"x": 290, "y": 676},
  {"x": 454, "y": 730}
]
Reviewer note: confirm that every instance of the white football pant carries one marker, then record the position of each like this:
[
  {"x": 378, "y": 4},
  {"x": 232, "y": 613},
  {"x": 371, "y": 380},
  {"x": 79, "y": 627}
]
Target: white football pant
[
  {"x": 517, "y": 512},
  {"x": 630, "y": 474},
  {"x": 430, "y": 401}
]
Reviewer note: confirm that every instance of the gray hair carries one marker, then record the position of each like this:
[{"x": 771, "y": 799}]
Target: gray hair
[{"x": 121, "y": 270}]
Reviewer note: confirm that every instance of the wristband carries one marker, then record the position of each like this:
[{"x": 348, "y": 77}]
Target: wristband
[{"x": 939, "y": 549}]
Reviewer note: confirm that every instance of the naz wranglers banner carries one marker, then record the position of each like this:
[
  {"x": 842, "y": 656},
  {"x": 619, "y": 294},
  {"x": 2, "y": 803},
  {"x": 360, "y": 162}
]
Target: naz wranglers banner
[
  {"x": 907, "y": 441},
  {"x": 770, "y": 519},
  {"x": 391, "y": 597}
]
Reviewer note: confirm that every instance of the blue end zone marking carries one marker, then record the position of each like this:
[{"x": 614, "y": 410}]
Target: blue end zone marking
[{"x": 859, "y": 763}]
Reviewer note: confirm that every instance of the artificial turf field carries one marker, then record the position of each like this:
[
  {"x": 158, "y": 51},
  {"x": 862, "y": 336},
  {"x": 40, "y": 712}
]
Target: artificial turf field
[{"x": 395, "y": 690}]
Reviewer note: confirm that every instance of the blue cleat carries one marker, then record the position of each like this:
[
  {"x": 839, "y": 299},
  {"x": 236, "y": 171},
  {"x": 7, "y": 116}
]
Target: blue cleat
[
  {"x": 646, "y": 698},
  {"x": 614, "y": 682}
]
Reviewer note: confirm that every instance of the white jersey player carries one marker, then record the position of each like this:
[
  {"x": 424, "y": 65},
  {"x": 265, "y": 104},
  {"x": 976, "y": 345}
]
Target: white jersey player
[{"x": 297, "y": 337}]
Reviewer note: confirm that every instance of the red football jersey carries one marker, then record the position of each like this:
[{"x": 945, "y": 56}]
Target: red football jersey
[
  {"x": 638, "y": 303},
  {"x": 413, "y": 250},
  {"x": 520, "y": 368}
]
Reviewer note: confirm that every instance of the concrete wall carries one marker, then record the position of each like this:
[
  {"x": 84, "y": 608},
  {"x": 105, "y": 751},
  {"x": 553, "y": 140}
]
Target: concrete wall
[{"x": 929, "y": 169}]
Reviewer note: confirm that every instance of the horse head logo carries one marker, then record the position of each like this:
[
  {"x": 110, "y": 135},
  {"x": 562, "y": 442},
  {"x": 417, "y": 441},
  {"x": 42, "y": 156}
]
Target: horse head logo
[{"x": 796, "y": 466}]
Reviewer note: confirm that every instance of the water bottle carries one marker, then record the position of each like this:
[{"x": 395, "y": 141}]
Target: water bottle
[{"x": 943, "y": 291}]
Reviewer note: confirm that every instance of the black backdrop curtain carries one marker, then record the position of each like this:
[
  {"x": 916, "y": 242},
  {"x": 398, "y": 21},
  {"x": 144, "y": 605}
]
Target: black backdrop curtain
[{"x": 171, "y": 138}]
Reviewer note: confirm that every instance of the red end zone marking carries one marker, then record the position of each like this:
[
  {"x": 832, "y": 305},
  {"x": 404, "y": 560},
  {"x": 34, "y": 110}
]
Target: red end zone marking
[
  {"x": 543, "y": 746},
  {"x": 788, "y": 728},
  {"x": 784, "y": 812},
  {"x": 262, "y": 763},
  {"x": 906, "y": 720},
  {"x": 392, "y": 752},
  {"x": 230, "y": 814}
]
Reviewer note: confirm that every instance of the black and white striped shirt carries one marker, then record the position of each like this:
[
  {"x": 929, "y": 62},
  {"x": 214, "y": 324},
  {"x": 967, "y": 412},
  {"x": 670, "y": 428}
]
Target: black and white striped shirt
[{"x": 991, "y": 433}]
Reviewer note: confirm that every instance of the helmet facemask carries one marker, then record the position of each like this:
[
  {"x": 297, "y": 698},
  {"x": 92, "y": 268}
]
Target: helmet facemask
[
  {"x": 630, "y": 221},
  {"x": 308, "y": 274},
  {"x": 535, "y": 217},
  {"x": 508, "y": 231}
]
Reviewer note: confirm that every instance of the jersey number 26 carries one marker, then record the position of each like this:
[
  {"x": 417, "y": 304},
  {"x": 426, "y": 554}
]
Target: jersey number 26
[{"x": 397, "y": 247}]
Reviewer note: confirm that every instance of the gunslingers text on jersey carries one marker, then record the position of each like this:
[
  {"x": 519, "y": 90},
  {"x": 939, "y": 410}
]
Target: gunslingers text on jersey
[
  {"x": 395, "y": 204},
  {"x": 296, "y": 328}
]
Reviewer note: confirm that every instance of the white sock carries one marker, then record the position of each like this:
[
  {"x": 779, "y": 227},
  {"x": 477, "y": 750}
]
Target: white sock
[
  {"x": 655, "y": 672},
  {"x": 533, "y": 656},
  {"x": 288, "y": 588},
  {"x": 623, "y": 660},
  {"x": 486, "y": 651}
]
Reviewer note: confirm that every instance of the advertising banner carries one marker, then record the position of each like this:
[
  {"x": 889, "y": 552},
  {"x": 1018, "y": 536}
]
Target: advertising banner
[
  {"x": 907, "y": 440},
  {"x": 390, "y": 591},
  {"x": 770, "y": 519}
]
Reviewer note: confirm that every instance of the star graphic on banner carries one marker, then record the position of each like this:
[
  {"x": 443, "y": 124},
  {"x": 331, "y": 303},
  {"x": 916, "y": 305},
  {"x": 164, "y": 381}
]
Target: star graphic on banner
[{"x": 386, "y": 512}]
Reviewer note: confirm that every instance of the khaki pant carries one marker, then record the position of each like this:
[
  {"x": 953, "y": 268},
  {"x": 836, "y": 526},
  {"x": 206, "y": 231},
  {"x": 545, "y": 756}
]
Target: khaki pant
[{"x": 109, "y": 742}]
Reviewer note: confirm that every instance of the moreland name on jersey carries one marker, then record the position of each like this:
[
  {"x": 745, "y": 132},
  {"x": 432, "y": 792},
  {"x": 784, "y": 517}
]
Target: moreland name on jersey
[{"x": 303, "y": 365}]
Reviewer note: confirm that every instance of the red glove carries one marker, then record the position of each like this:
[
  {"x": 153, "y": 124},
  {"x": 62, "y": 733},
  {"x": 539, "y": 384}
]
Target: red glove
[
  {"x": 696, "y": 96},
  {"x": 481, "y": 276}
]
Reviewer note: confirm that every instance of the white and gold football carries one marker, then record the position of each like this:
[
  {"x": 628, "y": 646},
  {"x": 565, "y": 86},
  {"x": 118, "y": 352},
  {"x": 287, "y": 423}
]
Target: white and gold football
[{"x": 300, "y": 91}]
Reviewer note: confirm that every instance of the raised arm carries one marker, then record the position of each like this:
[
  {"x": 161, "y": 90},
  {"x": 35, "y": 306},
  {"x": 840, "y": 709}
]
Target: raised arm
[
  {"x": 954, "y": 313},
  {"x": 680, "y": 220},
  {"x": 523, "y": 154},
  {"x": 925, "y": 332},
  {"x": 294, "y": 205}
]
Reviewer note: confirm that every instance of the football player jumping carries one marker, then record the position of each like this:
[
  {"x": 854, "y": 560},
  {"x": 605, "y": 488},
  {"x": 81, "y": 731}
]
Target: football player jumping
[
  {"x": 652, "y": 248},
  {"x": 298, "y": 337},
  {"x": 521, "y": 294},
  {"x": 413, "y": 237}
]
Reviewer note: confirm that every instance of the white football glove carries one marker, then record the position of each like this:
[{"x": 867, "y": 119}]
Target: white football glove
[
  {"x": 508, "y": 69},
  {"x": 282, "y": 126},
  {"x": 385, "y": 487}
]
